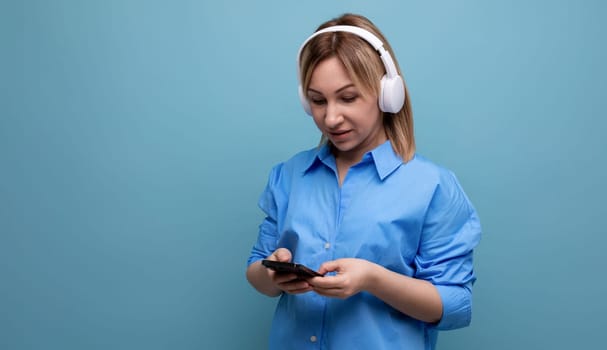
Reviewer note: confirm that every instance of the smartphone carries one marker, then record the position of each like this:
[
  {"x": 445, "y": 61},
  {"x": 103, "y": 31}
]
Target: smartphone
[{"x": 288, "y": 267}]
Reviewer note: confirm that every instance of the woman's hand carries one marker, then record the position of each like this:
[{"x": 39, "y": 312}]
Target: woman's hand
[
  {"x": 287, "y": 282},
  {"x": 414, "y": 297},
  {"x": 352, "y": 276}
]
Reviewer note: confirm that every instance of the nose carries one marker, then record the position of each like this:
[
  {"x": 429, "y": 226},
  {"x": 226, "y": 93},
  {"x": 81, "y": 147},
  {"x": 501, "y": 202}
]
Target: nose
[{"x": 333, "y": 115}]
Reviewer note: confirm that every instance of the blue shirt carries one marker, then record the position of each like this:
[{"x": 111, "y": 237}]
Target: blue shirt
[{"x": 412, "y": 218}]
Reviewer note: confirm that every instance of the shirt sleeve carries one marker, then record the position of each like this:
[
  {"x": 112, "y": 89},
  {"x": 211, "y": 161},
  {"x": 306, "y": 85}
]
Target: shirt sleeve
[
  {"x": 451, "y": 231},
  {"x": 266, "y": 242}
]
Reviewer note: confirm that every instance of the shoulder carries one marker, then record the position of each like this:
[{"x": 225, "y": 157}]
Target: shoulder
[
  {"x": 294, "y": 166},
  {"x": 438, "y": 183},
  {"x": 443, "y": 185},
  {"x": 428, "y": 171}
]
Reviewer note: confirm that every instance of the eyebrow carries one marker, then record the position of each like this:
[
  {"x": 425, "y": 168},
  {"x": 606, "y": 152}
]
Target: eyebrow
[{"x": 336, "y": 91}]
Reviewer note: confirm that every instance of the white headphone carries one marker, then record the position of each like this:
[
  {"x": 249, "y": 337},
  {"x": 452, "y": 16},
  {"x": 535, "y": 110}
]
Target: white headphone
[{"x": 392, "y": 91}]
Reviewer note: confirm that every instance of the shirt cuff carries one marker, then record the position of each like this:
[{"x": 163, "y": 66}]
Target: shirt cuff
[{"x": 457, "y": 307}]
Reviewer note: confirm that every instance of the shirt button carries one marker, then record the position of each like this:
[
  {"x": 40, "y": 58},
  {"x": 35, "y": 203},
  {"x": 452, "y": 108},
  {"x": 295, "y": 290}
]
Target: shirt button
[
  {"x": 313, "y": 339},
  {"x": 327, "y": 245}
]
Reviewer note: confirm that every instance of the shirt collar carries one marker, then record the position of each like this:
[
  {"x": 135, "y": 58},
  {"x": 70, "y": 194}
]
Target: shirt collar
[
  {"x": 383, "y": 157},
  {"x": 322, "y": 154}
]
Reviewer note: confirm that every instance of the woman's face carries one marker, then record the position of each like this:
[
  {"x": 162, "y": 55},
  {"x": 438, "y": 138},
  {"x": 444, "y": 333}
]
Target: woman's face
[{"x": 350, "y": 120}]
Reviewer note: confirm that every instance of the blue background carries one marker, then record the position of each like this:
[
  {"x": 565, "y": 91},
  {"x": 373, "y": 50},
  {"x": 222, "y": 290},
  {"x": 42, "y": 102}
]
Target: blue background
[{"x": 136, "y": 137}]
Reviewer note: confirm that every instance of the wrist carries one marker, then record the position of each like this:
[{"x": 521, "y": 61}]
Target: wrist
[{"x": 372, "y": 278}]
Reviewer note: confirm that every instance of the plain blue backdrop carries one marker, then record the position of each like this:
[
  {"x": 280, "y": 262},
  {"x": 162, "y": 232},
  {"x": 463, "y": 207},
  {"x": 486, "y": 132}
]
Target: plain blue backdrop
[{"x": 136, "y": 137}]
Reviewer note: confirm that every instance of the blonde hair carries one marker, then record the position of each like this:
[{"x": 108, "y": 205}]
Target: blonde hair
[{"x": 365, "y": 68}]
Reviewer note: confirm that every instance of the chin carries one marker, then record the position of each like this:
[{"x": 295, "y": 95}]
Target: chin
[{"x": 343, "y": 147}]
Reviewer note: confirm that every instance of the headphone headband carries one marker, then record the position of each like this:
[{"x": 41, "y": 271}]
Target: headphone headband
[
  {"x": 369, "y": 37},
  {"x": 392, "y": 93}
]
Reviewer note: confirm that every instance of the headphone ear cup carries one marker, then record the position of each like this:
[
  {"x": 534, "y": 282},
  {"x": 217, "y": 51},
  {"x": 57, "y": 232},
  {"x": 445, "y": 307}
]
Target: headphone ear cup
[
  {"x": 304, "y": 101},
  {"x": 392, "y": 94}
]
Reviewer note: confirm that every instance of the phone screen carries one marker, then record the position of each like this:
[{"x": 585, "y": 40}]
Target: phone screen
[{"x": 288, "y": 267}]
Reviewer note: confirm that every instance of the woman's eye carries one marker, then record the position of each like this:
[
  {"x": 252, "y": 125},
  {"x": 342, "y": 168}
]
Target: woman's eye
[
  {"x": 317, "y": 101},
  {"x": 349, "y": 99}
]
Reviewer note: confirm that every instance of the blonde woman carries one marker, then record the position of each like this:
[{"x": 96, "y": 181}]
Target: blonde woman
[{"x": 391, "y": 233}]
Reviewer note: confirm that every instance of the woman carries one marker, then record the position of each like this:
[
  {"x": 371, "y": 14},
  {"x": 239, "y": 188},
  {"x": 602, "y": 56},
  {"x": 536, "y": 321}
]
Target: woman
[{"x": 392, "y": 233}]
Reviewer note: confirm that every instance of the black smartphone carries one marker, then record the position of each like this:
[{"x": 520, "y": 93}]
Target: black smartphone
[{"x": 289, "y": 267}]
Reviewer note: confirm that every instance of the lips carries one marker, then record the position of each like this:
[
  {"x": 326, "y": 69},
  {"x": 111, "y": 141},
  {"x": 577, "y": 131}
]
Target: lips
[{"x": 338, "y": 135}]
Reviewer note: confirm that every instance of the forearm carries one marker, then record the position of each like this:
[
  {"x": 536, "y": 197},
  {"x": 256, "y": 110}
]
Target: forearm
[
  {"x": 414, "y": 297},
  {"x": 260, "y": 279}
]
